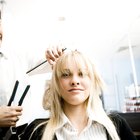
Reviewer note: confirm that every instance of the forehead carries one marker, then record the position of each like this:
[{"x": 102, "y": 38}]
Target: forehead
[
  {"x": 73, "y": 66},
  {"x": 72, "y": 62}
]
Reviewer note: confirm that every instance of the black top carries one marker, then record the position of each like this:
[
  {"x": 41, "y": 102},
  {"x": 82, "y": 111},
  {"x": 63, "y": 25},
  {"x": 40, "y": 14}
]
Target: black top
[
  {"x": 123, "y": 129},
  {"x": 133, "y": 120}
]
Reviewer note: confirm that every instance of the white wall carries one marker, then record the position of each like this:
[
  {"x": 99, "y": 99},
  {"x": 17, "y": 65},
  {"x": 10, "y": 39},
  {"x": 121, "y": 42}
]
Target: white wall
[{"x": 96, "y": 25}]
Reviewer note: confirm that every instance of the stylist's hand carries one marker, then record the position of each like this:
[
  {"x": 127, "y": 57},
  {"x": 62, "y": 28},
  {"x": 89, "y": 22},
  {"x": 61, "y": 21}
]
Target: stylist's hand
[
  {"x": 53, "y": 53},
  {"x": 9, "y": 115}
]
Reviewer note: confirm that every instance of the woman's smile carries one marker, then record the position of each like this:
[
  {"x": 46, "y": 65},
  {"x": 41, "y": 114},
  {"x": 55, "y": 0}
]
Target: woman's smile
[{"x": 75, "y": 90}]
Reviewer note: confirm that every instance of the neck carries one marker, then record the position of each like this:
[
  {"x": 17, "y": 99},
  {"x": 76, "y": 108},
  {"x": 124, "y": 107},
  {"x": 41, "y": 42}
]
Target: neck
[{"x": 77, "y": 116}]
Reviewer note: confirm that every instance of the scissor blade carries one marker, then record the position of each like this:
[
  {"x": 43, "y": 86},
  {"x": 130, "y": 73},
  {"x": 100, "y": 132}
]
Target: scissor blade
[
  {"x": 13, "y": 93},
  {"x": 23, "y": 95}
]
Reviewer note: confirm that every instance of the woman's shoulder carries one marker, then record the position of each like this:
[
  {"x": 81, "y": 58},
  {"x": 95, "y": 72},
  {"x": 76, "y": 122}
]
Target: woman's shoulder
[
  {"x": 118, "y": 120},
  {"x": 122, "y": 126},
  {"x": 35, "y": 129},
  {"x": 115, "y": 116},
  {"x": 38, "y": 121}
]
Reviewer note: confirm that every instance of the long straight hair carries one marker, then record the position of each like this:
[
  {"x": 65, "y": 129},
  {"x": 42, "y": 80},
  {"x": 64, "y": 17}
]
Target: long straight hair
[{"x": 53, "y": 102}]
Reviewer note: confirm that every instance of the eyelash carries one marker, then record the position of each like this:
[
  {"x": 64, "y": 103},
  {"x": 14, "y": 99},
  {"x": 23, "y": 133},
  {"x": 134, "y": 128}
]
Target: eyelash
[
  {"x": 65, "y": 75},
  {"x": 81, "y": 74}
]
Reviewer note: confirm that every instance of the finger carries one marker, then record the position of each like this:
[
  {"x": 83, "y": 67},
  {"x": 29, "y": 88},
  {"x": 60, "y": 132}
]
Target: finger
[
  {"x": 17, "y": 119},
  {"x": 50, "y": 55},
  {"x": 12, "y": 123},
  {"x": 56, "y": 51},
  {"x": 51, "y": 62},
  {"x": 60, "y": 49},
  {"x": 14, "y": 113},
  {"x": 14, "y": 119},
  {"x": 8, "y": 124},
  {"x": 18, "y": 108}
]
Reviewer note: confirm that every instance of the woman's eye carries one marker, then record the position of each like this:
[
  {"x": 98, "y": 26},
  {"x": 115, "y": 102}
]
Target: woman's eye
[
  {"x": 65, "y": 75},
  {"x": 81, "y": 74},
  {"x": 0, "y": 36}
]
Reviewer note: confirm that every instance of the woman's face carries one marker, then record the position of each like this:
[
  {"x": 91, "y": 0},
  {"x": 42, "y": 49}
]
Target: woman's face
[{"x": 75, "y": 84}]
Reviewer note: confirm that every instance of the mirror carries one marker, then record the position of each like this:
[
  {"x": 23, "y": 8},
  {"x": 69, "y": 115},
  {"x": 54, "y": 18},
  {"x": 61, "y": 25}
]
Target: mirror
[{"x": 125, "y": 66}]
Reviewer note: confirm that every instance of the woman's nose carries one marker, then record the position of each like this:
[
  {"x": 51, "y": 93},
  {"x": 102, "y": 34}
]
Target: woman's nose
[{"x": 75, "y": 81}]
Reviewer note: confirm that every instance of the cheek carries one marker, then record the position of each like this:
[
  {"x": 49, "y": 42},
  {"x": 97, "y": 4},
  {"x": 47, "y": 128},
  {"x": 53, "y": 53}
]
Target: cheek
[
  {"x": 87, "y": 83},
  {"x": 63, "y": 83}
]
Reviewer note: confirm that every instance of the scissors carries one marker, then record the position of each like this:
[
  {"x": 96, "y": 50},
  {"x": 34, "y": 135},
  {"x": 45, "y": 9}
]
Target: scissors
[
  {"x": 8, "y": 132},
  {"x": 14, "y": 93},
  {"x": 13, "y": 130}
]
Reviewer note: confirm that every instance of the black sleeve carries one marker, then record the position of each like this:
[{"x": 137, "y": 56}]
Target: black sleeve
[
  {"x": 123, "y": 128},
  {"x": 31, "y": 128}
]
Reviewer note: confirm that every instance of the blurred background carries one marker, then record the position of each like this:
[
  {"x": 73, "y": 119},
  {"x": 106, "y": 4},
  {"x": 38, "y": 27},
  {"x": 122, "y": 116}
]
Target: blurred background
[{"x": 106, "y": 30}]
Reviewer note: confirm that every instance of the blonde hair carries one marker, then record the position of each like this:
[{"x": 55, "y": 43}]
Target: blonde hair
[{"x": 52, "y": 99}]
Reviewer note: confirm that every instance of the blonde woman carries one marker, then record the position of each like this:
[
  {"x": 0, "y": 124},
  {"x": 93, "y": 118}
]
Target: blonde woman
[{"x": 76, "y": 111}]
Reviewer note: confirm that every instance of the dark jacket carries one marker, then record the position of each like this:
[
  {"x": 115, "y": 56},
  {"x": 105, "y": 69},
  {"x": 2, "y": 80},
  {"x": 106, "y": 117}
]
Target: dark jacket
[{"x": 123, "y": 129}]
